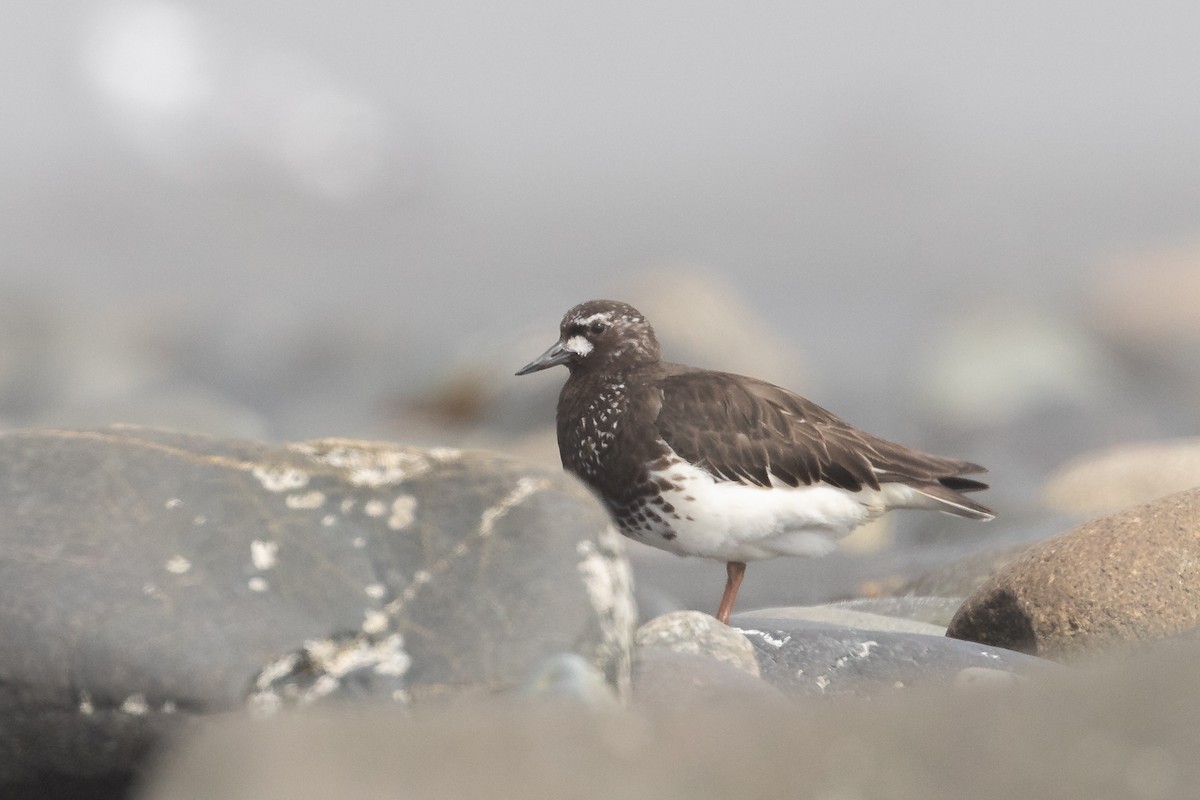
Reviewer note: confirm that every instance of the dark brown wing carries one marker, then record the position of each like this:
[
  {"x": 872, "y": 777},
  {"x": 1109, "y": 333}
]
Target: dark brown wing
[{"x": 740, "y": 428}]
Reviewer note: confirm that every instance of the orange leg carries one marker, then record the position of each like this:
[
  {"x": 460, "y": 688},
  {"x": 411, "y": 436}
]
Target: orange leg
[{"x": 734, "y": 571}]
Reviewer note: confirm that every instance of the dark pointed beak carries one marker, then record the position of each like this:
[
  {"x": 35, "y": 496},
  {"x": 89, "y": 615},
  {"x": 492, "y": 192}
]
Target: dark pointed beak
[{"x": 557, "y": 354}]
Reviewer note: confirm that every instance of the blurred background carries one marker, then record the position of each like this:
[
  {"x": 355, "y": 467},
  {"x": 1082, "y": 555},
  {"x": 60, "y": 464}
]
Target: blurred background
[{"x": 970, "y": 227}]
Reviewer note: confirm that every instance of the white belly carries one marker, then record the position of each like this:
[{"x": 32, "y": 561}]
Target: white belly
[{"x": 738, "y": 522}]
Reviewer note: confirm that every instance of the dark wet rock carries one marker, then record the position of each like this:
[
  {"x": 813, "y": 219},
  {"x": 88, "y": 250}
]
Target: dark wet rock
[
  {"x": 1128, "y": 577},
  {"x": 700, "y": 634},
  {"x": 1108, "y": 480},
  {"x": 802, "y": 657},
  {"x": 148, "y": 577},
  {"x": 1124, "y": 731},
  {"x": 844, "y": 616}
]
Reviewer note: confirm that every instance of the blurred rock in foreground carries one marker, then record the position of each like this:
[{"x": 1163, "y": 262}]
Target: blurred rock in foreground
[{"x": 1122, "y": 731}]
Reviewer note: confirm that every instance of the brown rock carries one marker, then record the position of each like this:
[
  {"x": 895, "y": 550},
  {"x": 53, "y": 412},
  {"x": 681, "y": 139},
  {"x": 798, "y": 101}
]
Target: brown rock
[{"x": 1128, "y": 577}]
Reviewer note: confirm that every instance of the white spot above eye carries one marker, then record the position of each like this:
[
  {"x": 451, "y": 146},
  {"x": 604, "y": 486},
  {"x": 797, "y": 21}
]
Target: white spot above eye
[
  {"x": 599, "y": 316},
  {"x": 579, "y": 345}
]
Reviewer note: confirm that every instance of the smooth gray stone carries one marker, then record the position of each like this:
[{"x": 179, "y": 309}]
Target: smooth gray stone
[
  {"x": 147, "y": 577},
  {"x": 697, "y": 633}
]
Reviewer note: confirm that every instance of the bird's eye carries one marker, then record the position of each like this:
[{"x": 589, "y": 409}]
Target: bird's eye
[{"x": 598, "y": 327}]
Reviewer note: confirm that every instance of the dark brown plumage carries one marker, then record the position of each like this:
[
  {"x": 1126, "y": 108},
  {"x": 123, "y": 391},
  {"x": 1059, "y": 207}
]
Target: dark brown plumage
[{"x": 720, "y": 465}]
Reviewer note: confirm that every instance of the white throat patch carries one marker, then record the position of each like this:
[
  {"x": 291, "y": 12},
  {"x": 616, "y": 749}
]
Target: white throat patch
[{"x": 579, "y": 345}]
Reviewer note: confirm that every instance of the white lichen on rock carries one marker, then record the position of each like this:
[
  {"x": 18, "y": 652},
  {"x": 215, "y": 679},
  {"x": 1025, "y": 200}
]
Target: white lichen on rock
[
  {"x": 178, "y": 565},
  {"x": 280, "y": 479},
  {"x": 525, "y": 487},
  {"x": 766, "y": 637},
  {"x": 264, "y": 554},
  {"x": 404, "y": 510},
  {"x": 374, "y": 621},
  {"x": 608, "y": 581},
  {"x": 307, "y": 501},
  {"x": 299, "y": 679},
  {"x": 364, "y": 463}
]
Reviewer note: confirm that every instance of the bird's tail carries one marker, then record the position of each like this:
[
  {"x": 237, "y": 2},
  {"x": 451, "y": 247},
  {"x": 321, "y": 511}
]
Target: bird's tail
[{"x": 948, "y": 494}]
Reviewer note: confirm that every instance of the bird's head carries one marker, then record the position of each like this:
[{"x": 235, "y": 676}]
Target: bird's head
[{"x": 599, "y": 335}]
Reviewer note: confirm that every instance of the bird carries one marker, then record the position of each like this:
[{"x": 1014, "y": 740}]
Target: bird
[{"x": 704, "y": 463}]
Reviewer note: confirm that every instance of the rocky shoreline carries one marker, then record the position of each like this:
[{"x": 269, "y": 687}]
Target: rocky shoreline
[{"x": 160, "y": 587}]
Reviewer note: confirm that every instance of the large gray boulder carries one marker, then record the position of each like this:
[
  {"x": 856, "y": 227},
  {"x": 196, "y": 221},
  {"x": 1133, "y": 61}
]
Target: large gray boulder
[{"x": 147, "y": 577}]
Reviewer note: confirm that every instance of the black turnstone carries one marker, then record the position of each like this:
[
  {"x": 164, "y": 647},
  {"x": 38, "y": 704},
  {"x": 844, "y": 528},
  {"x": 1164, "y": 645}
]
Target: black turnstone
[{"x": 703, "y": 463}]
